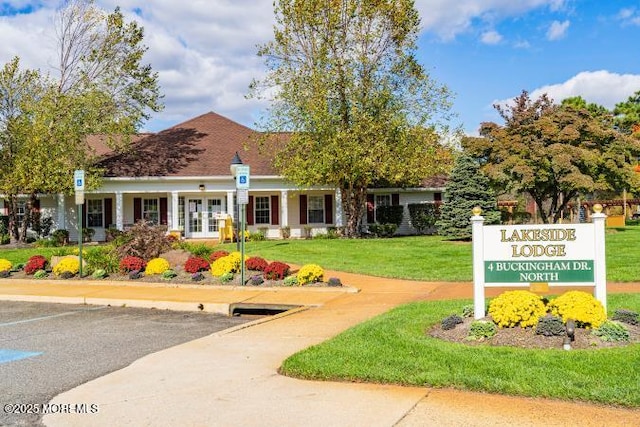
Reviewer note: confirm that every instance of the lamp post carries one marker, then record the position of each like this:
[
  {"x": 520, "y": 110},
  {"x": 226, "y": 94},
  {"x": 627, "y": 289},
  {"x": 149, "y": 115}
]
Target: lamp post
[
  {"x": 241, "y": 174},
  {"x": 235, "y": 162}
]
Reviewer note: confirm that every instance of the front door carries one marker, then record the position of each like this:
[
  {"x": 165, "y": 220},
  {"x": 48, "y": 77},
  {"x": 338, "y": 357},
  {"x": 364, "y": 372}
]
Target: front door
[
  {"x": 195, "y": 218},
  {"x": 202, "y": 217}
]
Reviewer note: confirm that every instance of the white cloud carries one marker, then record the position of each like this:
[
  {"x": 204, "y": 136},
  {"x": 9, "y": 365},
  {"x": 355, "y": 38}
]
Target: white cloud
[
  {"x": 557, "y": 30},
  {"x": 203, "y": 50},
  {"x": 449, "y": 18},
  {"x": 600, "y": 87},
  {"x": 629, "y": 16},
  {"x": 491, "y": 37}
]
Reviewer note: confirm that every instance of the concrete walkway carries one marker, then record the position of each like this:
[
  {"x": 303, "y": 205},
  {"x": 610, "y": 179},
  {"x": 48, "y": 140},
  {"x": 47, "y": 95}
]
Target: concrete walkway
[{"x": 230, "y": 378}]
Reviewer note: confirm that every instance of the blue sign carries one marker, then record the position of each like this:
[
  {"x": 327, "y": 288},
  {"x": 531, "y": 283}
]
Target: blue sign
[
  {"x": 242, "y": 177},
  {"x": 78, "y": 180}
]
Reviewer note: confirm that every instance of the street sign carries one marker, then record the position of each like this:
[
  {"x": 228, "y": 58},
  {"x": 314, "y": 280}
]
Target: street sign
[
  {"x": 243, "y": 197},
  {"x": 80, "y": 197},
  {"x": 78, "y": 180},
  {"x": 242, "y": 177}
]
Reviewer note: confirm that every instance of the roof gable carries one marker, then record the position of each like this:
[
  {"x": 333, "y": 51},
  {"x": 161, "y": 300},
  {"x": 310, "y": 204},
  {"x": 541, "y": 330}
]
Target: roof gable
[{"x": 202, "y": 146}]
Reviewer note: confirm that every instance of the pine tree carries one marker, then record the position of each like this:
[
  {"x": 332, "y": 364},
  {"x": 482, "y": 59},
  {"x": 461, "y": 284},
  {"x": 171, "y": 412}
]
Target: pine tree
[{"x": 466, "y": 189}]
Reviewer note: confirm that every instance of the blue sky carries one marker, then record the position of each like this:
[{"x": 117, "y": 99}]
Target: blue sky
[{"x": 485, "y": 51}]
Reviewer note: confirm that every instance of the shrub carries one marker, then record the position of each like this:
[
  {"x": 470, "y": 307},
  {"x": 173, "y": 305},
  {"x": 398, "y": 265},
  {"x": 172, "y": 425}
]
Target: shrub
[
  {"x": 5, "y": 265},
  {"x": 481, "y": 329},
  {"x": 99, "y": 274},
  {"x": 291, "y": 281},
  {"x": 579, "y": 306},
  {"x": 40, "y": 274},
  {"x": 310, "y": 273},
  {"x": 626, "y": 316},
  {"x": 467, "y": 310},
  {"x": 276, "y": 270},
  {"x": 517, "y": 308},
  {"x": 450, "y": 322},
  {"x": 383, "y": 230},
  {"x": 200, "y": 250},
  {"x": 35, "y": 263},
  {"x": 612, "y": 331},
  {"x": 132, "y": 263},
  {"x": 423, "y": 216},
  {"x": 196, "y": 264},
  {"x": 61, "y": 237},
  {"x": 226, "y": 277},
  {"x": 217, "y": 255},
  {"x": 168, "y": 274},
  {"x": 334, "y": 281},
  {"x": 391, "y": 214},
  {"x": 67, "y": 265},
  {"x": 101, "y": 258},
  {"x": 157, "y": 266},
  {"x": 145, "y": 240},
  {"x": 256, "y": 263},
  {"x": 285, "y": 232},
  {"x": 550, "y": 326}
]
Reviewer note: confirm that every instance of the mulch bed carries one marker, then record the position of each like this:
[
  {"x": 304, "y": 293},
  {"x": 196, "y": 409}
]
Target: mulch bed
[{"x": 527, "y": 338}]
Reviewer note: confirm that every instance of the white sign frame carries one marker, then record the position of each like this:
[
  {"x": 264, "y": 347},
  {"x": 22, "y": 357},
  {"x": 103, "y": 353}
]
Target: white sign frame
[{"x": 552, "y": 248}]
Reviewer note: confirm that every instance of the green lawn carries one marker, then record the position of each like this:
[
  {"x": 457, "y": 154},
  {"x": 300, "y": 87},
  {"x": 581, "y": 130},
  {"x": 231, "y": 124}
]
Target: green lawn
[
  {"x": 424, "y": 257},
  {"x": 394, "y": 349}
]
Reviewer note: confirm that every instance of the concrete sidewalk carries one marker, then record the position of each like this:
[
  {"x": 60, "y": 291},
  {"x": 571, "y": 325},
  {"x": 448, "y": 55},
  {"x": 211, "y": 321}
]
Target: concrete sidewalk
[{"x": 230, "y": 378}]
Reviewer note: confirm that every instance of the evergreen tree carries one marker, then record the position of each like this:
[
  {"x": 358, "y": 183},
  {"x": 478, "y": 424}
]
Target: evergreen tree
[{"x": 467, "y": 188}]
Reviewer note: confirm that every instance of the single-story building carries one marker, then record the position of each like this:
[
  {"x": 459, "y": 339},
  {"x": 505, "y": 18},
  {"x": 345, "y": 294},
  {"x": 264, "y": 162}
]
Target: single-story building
[{"x": 181, "y": 178}]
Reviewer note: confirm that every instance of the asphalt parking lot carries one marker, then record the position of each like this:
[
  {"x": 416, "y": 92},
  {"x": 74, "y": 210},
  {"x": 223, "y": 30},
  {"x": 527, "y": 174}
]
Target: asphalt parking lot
[{"x": 46, "y": 349}]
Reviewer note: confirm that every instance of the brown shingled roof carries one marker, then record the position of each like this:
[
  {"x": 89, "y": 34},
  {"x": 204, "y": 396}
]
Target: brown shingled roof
[{"x": 202, "y": 146}]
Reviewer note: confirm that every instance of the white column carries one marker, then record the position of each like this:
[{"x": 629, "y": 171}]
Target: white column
[
  {"x": 174, "y": 211},
  {"x": 284, "y": 208},
  {"x": 477, "y": 222},
  {"x": 119, "y": 211},
  {"x": 338, "y": 213},
  {"x": 62, "y": 213},
  {"x": 231, "y": 209},
  {"x": 599, "y": 264}
]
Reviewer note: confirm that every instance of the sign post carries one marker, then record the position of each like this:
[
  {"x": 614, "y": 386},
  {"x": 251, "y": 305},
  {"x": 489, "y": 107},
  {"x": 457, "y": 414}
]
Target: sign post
[
  {"x": 538, "y": 256},
  {"x": 242, "y": 190},
  {"x": 78, "y": 183}
]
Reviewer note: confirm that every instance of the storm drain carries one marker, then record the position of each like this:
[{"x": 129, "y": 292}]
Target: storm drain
[{"x": 246, "y": 309}]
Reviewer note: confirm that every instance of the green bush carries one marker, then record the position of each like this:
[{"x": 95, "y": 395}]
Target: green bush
[
  {"x": 40, "y": 274},
  {"x": 226, "y": 277},
  {"x": 467, "y": 310},
  {"x": 481, "y": 329},
  {"x": 168, "y": 274},
  {"x": 99, "y": 274},
  {"x": 612, "y": 331},
  {"x": 61, "y": 237},
  {"x": 626, "y": 316},
  {"x": 423, "y": 216},
  {"x": 383, "y": 230},
  {"x": 390, "y": 214},
  {"x": 291, "y": 281},
  {"x": 451, "y": 321},
  {"x": 101, "y": 258},
  {"x": 550, "y": 326}
]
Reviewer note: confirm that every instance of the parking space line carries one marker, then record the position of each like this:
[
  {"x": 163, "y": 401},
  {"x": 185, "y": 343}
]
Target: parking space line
[
  {"x": 35, "y": 319},
  {"x": 12, "y": 355}
]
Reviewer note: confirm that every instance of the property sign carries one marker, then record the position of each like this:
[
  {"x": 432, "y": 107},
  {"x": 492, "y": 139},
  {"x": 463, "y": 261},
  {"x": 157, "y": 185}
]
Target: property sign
[
  {"x": 533, "y": 255},
  {"x": 539, "y": 253}
]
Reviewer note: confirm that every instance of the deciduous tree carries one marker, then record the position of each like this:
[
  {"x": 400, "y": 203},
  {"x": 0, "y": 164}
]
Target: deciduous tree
[
  {"x": 554, "y": 153},
  {"x": 102, "y": 88},
  {"x": 361, "y": 110}
]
